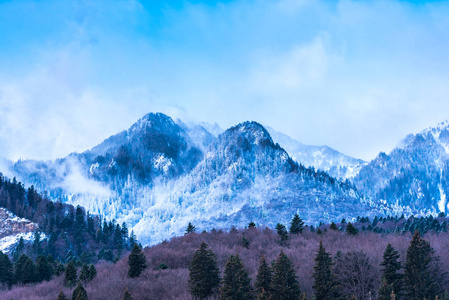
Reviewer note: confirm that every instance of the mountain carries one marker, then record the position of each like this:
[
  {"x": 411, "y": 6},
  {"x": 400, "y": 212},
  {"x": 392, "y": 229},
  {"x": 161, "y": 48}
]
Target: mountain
[
  {"x": 320, "y": 157},
  {"x": 244, "y": 177},
  {"x": 414, "y": 174},
  {"x": 159, "y": 175}
]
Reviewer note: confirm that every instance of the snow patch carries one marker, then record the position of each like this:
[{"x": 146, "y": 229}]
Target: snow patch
[
  {"x": 442, "y": 202},
  {"x": 8, "y": 242}
]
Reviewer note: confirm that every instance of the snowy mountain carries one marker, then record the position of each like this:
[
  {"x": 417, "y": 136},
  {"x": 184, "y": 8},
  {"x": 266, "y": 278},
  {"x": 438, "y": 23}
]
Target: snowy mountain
[
  {"x": 320, "y": 157},
  {"x": 414, "y": 174},
  {"x": 159, "y": 175}
]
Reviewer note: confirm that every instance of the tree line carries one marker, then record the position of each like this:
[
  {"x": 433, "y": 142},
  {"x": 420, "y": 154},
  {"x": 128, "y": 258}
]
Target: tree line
[{"x": 346, "y": 276}]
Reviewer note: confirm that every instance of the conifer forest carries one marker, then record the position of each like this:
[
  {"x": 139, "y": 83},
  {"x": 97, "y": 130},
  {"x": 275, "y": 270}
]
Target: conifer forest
[{"x": 381, "y": 258}]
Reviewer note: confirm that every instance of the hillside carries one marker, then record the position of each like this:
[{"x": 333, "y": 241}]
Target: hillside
[
  {"x": 415, "y": 174},
  {"x": 159, "y": 175},
  {"x": 176, "y": 255}
]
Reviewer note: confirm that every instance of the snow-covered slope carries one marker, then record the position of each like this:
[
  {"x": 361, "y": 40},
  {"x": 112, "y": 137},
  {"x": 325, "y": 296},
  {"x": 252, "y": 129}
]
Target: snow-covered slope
[
  {"x": 414, "y": 174},
  {"x": 320, "y": 157},
  {"x": 159, "y": 175},
  {"x": 245, "y": 177},
  {"x": 12, "y": 228}
]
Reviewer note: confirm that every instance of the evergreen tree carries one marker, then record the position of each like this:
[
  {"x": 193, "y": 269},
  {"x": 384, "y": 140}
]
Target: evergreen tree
[
  {"x": 282, "y": 232},
  {"x": 390, "y": 271},
  {"x": 62, "y": 296},
  {"x": 137, "y": 262},
  {"x": 263, "y": 279},
  {"x": 6, "y": 270},
  {"x": 19, "y": 269},
  {"x": 132, "y": 239},
  {"x": 351, "y": 230},
  {"x": 44, "y": 270},
  {"x": 70, "y": 274},
  {"x": 79, "y": 293},
  {"x": 385, "y": 291},
  {"x": 118, "y": 237},
  {"x": 19, "y": 249},
  {"x": 421, "y": 274},
  {"x": 92, "y": 272},
  {"x": 333, "y": 226},
  {"x": 251, "y": 225},
  {"x": 263, "y": 295},
  {"x": 204, "y": 276},
  {"x": 29, "y": 272},
  {"x": 284, "y": 284},
  {"x": 236, "y": 282},
  {"x": 296, "y": 225},
  {"x": 85, "y": 274},
  {"x": 324, "y": 285},
  {"x": 127, "y": 295},
  {"x": 37, "y": 243},
  {"x": 190, "y": 228}
]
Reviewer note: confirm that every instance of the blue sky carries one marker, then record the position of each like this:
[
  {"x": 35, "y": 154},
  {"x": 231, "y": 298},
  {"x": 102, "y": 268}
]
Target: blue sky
[{"x": 355, "y": 75}]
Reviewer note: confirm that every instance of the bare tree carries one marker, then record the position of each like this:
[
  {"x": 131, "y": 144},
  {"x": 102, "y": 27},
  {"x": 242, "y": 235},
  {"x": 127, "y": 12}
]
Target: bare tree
[{"x": 355, "y": 275}]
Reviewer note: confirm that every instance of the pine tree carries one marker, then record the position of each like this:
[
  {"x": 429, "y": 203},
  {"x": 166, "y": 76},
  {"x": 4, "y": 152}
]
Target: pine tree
[
  {"x": 19, "y": 268},
  {"x": 79, "y": 293},
  {"x": 70, "y": 274},
  {"x": 284, "y": 285},
  {"x": 44, "y": 270},
  {"x": 236, "y": 282},
  {"x": 92, "y": 272},
  {"x": 421, "y": 276},
  {"x": 204, "y": 276},
  {"x": 391, "y": 267},
  {"x": 333, "y": 226},
  {"x": 351, "y": 230},
  {"x": 127, "y": 295},
  {"x": 137, "y": 262},
  {"x": 282, "y": 232},
  {"x": 324, "y": 285},
  {"x": 296, "y": 225},
  {"x": 190, "y": 228},
  {"x": 37, "y": 243},
  {"x": 25, "y": 270},
  {"x": 385, "y": 291},
  {"x": 85, "y": 274},
  {"x": 62, "y": 296},
  {"x": 251, "y": 225},
  {"x": 263, "y": 279},
  {"x": 29, "y": 272},
  {"x": 132, "y": 239},
  {"x": 6, "y": 270}
]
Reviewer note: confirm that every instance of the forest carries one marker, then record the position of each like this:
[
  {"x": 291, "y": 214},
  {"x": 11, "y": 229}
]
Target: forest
[
  {"x": 84, "y": 257},
  {"x": 341, "y": 259}
]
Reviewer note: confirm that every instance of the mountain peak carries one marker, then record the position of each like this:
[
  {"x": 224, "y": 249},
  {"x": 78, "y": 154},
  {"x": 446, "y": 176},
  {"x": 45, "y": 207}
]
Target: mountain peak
[
  {"x": 155, "y": 121},
  {"x": 254, "y": 132}
]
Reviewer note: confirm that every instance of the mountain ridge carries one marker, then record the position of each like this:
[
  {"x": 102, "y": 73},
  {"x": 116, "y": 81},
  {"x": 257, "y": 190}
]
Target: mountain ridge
[{"x": 159, "y": 174}]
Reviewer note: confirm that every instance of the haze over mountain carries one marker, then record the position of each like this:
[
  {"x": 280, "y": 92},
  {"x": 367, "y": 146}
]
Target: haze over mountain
[
  {"x": 320, "y": 157},
  {"x": 159, "y": 175}
]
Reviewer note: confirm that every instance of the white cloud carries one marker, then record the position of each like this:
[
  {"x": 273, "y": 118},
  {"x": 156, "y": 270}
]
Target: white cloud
[{"x": 355, "y": 75}]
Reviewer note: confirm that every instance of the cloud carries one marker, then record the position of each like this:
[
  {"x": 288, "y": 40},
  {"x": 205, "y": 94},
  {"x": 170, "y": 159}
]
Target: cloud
[
  {"x": 357, "y": 76},
  {"x": 75, "y": 182}
]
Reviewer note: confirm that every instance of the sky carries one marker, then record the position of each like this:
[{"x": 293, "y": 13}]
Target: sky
[{"x": 357, "y": 76}]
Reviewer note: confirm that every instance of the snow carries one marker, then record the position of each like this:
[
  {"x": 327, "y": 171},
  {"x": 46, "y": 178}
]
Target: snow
[
  {"x": 320, "y": 157},
  {"x": 7, "y": 243},
  {"x": 442, "y": 202}
]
